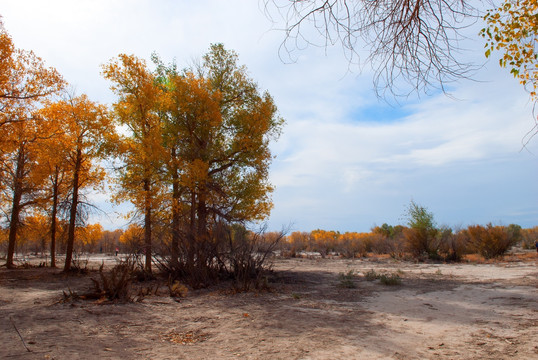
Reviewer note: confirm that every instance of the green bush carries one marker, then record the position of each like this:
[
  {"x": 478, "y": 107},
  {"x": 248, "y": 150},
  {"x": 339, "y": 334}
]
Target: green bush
[{"x": 421, "y": 236}]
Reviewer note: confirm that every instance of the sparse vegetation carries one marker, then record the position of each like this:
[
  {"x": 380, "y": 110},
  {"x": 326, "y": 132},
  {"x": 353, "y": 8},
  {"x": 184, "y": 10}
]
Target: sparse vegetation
[
  {"x": 385, "y": 279},
  {"x": 371, "y": 275},
  {"x": 390, "y": 279},
  {"x": 346, "y": 280}
]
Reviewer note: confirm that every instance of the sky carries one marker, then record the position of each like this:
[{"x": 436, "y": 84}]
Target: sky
[{"x": 346, "y": 160}]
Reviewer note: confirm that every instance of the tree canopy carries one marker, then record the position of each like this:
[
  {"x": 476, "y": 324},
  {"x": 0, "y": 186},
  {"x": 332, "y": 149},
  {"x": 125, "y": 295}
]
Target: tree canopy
[{"x": 512, "y": 29}]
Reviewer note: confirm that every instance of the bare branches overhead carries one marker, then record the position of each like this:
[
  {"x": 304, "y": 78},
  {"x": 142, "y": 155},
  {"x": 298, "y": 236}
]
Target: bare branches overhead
[{"x": 412, "y": 45}]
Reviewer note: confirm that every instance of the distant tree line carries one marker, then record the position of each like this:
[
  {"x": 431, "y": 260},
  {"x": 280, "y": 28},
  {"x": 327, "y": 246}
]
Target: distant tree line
[{"x": 420, "y": 239}]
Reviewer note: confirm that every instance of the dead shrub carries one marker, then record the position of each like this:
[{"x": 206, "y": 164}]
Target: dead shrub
[
  {"x": 79, "y": 264},
  {"x": 371, "y": 275},
  {"x": 390, "y": 279},
  {"x": 452, "y": 247},
  {"x": 229, "y": 251},
  {"x": 529, "y": 238},
  {"x": 421, "y": 243},
  {"x": 491, "y": 241},
  {"x": 177, "y": 289},
  {"x": 115, "y": 285},
  {"x": 247, "y": 258}
]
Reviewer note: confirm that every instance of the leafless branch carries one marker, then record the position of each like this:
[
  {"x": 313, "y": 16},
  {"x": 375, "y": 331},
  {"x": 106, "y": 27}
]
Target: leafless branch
[{"x": 411, "y": 42}]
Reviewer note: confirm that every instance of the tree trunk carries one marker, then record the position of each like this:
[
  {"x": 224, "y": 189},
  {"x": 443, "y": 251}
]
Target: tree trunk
[
  {"x": 13, "y": 227},
  {"x": 191, "y": 244},
  {"x": 16, "y": 207},
  {"x": 73, "y": 212},
  {"x": 175, "y": 214},
  {"x": 53, "y": 220},
  {"x": 202, "y": 235},
  {"x": 147, "y": 225}
]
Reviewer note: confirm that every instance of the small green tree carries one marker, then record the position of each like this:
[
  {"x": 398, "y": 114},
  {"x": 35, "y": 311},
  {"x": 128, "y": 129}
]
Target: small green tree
[{"x": 421, "y": 236}]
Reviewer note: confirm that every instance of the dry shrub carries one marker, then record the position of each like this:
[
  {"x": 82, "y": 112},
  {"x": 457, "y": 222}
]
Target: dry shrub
[
  {"x": 371, "y": 275},
  {"x": 115, "y": 285},
  {"x": 390, "y": 279},
  {"x": 491, "y": 241},
  {"x": 346, "y": 280},
  {"x": 230, "y": 251},
  {"x": 79, "y": 264},
  {"x": 247, "y": 258},
  {"x": 177, "y": 289},
  {"x": 452, "y": 247},
  {"x": 393, "y": 246},
  {"x": 421, "y": 243},
  {"x": 529, "y": 238},
  {"x": 385, "y": 279}
]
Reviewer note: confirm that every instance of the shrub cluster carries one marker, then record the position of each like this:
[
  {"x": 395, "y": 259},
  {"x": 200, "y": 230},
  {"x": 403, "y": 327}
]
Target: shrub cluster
[
  {"x": 230, "y": 251},
  {"x": 421, "y": 243},
  {"x": 492, "y": 241},
  {"x": 529, "y": 237}
]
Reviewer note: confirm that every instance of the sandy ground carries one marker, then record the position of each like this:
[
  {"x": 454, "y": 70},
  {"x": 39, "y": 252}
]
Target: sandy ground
[{"x": 439, "y": 311}]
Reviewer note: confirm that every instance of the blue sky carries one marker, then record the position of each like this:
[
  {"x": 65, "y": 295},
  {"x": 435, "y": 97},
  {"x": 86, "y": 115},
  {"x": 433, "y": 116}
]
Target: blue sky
[{"x": 346, "y": 160}]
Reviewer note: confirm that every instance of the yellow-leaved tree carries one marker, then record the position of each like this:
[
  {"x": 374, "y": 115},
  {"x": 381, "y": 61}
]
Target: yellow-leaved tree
[
  {"x": 88, "y": 237},
  {"x": 87, "y": 130},
  {"x": 513, "y": 30},
  {"x": 57, "y": 173},
  {"x": 133, "y": 239},
  {"x": 140, "y": 151},
  {"x": 25, "y": 82},
  {"x": 217, "y": 131},
  {"x": 33, "y": 233}
]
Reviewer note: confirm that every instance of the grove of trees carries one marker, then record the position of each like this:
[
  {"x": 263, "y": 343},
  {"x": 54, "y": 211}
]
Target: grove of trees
[{"x": 189, "y": 149}]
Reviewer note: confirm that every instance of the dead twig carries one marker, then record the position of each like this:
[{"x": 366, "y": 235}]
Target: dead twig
[{"x": 17, "y": 330}]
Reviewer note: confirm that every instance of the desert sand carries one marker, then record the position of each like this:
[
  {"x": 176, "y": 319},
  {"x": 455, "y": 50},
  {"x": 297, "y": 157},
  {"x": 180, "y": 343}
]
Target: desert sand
[{"x": 438, "y": 311}]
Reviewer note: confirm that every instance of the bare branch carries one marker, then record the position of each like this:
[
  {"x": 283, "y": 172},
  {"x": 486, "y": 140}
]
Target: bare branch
[{"x": 409, "y": 42}]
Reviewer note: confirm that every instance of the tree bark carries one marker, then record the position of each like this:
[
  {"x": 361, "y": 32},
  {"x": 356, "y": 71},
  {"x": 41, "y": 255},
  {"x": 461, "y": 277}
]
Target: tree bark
[
  {"x": 175, "y": 219},
  {"x": 16, "y": 206},
  {"x": 147, "y": 224},
  {"x": 73, "y": 212},
  {"x": 53, "y": 220},
  {"x": 176, "y": 198}
]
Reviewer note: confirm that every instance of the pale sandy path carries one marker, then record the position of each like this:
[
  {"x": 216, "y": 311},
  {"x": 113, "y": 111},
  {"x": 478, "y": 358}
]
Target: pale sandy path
[{"x": 457, "y": 311}]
